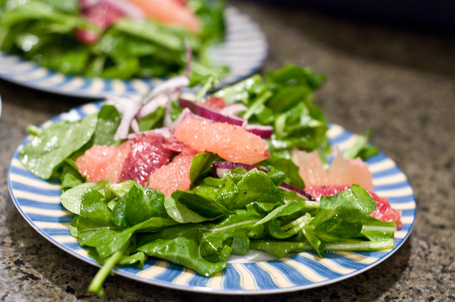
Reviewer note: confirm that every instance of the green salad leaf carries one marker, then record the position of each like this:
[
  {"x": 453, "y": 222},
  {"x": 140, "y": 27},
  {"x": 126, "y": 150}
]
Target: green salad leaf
[
  {"x": 46, "y": 152},
  {"x": 284, "y": 100}
]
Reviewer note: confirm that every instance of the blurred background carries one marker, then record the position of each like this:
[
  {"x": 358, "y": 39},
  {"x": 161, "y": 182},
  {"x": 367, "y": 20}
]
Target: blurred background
[{"x": 421, "y": 14}]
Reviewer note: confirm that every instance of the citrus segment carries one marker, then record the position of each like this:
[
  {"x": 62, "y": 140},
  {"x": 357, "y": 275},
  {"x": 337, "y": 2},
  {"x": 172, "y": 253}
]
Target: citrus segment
[
  {"x": 147, "y": 153},
  {"x": 340, "y": 172},
  {"x": 101, "y": 162},
  {"x": 232, "y": 143},
  {"x": 173, "y": 176},
  {"x": 170, "y": 12}
]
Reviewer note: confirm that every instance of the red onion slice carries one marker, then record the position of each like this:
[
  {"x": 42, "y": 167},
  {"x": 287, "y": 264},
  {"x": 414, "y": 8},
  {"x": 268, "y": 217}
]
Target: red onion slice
[
  {"x": 209, "y": 114},
  {"x": 263, "y": 131},
  {"x": 300, "y": 192},
  {"x": 221, "y": 167},
  {"x": 233, "y": 109}
]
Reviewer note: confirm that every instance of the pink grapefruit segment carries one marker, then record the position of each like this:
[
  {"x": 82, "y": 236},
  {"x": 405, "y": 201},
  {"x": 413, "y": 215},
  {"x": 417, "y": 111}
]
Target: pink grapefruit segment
[
  {"x": 383, "y": 212},
  {"x": 340, "y": 172},
  {"x": 146, "y": 154},
  {"x": 170, "y": 12},
  {"x": 232, "y": 143},
  {"x": 173, "y": 176},
  {"x": 101, "y": 162},
  {"x": 133, "y": 160}
]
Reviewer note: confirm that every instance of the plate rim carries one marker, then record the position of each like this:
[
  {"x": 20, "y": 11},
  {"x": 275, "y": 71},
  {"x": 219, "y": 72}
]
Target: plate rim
[{"x": 201, "y": 289}]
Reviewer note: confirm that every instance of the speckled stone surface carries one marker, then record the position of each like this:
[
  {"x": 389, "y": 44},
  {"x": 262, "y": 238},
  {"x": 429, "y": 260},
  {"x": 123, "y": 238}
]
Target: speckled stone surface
[{"x": 399, "y": 82}]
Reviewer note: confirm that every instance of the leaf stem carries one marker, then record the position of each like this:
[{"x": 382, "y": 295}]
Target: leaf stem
[
  {"x": 361, "y": 246},
  {"x": 100, "y": 277}
]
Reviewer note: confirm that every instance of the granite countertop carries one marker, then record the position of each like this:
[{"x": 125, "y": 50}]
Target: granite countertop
[{"x": 399, "y": 82}]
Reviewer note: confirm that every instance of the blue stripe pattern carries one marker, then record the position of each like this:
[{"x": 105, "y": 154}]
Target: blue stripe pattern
[
  {"x": 41, "y": 205},
  {"x": 292, "y": 274},
  {"x": 171, "y": 273},
  {"x": 24, "y": 187},
  {"x": 317, "y": 267},
  {"x": 263, "y": 279},
  {"x": 232, "y": 279}
]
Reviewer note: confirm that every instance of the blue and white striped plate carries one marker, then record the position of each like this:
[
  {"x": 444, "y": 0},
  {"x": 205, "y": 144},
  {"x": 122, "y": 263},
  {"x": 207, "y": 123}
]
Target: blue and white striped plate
[
  {"x": 244, "y": 52},
  {"x": 257, "y": 273}
]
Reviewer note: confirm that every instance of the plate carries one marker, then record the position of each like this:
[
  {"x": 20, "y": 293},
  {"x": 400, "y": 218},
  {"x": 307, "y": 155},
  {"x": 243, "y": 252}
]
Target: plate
[
  {"x": 244, "y": 51},
  {"x": 256, "y": 273}
]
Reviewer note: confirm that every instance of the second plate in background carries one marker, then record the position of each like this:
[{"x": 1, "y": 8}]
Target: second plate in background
[{"x": 244, "y": 52}]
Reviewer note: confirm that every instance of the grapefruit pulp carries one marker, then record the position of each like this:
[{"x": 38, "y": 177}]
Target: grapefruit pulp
[{"x": 232, "y": 143}]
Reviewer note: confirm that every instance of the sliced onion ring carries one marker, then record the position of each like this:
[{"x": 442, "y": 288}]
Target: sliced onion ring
[
  {"x": 233, "y": 109},
  {"x": 210, "y": 114},
  {"x": 301, "y": 193},
  {"x": 264, "y": 132}
]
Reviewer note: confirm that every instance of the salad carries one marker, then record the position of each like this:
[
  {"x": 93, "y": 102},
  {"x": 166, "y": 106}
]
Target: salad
[
  {"x": 118, "y": 39},
  {"x": 194, "y": 179}
]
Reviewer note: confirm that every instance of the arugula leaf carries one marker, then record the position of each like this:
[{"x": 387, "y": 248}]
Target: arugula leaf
[
  {"x": 181, "y": 213},
  {"x": 376, "y": 230},
  {"x": 45, "y": 153},
  {"x": 200, "y": 204},
  {"x": 116, "y": 191},
  {"x": 291, "y": 75},
  {"x": 242, "y": 91},
  {"x": 223, "y": 191},
  {"x": 352, "y": 205},
  {"x": 256, "y": 185},
  {"x": 70, "y": 176},
  {"x": 153, "y": 120},
  {"x": 214, "y": 247},
  {"x": 339, "y": 217},
  {"x": 94, "y": 213},
  {"x": 279, "y": 248},
  {"x": 361, "y": 148},
  {"x": 240, "y": 245},
  {"x": 72, "y": 198},
  {"x": 201, "y": 166},
  {"x": 138, "y": 205},
  {"x": 183, "y": 249},
  {"x": 288, "y": 167},
  {"x": 68, "y": 6},
  {"x": 108, "y": 122}
]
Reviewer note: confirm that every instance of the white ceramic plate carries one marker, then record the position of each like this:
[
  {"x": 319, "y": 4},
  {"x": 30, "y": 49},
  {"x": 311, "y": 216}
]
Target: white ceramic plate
[
  {"x": 244, "y": 51},
  {"x": 257, "y": 273}
]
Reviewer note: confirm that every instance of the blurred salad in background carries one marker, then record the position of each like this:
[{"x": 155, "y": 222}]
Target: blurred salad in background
[{"x": 119, "y": 39}]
